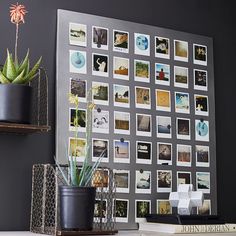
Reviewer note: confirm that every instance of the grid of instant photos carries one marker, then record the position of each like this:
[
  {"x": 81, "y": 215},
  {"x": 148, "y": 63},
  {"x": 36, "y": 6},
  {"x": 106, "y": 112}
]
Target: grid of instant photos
[{"x": 154, "y": 88}]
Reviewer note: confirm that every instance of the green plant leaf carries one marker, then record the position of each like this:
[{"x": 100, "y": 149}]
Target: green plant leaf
[
  {"x": 11, "y": 69},
  {"x": 20, "y": 78},
  {"x": 3, "y": 79},
  {"x": 4, "y": 70},
  {"x": 33, "y": 71},
  {"x": 73, "y": 171},
  {"x": 24, "y": 63}
]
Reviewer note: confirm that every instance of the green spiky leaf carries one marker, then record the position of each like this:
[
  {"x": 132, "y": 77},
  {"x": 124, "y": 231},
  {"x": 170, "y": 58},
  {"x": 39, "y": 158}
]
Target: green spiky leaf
[
  {"x": 3, "y": 79},
  {"x": 20, "y": 78},
  {"x": 4, "y": 70},
  {"x": 33, "y": 71},
  {"x": 24, "y": 63},
  {"x": 11, "y": 69}
]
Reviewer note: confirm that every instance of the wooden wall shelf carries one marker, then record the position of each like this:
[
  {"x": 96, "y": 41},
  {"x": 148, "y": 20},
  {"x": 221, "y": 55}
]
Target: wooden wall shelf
[{"x": 23, "y": 128}]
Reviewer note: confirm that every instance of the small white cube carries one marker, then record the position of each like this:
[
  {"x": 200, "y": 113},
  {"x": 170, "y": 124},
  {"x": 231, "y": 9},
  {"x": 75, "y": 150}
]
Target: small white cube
[
  {"x": 197, "y": 198},
  {"x": 174, "y": 199},
  {"x": 184, "y": 190},
  {"x": 184, "y": 207}
]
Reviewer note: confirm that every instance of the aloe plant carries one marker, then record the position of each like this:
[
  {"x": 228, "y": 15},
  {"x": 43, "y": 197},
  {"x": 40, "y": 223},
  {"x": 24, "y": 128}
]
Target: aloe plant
[{"x": 15, "y": 73}]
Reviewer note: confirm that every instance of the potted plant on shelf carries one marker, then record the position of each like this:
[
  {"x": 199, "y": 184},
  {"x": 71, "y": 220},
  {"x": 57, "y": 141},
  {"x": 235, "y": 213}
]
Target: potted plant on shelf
[
  {"x": 15, "y": 91},
  {"x": 77, "y": 197}
]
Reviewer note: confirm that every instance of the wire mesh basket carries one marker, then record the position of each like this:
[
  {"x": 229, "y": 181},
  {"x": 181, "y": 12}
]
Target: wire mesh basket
[{"x": 45, "y": 214}]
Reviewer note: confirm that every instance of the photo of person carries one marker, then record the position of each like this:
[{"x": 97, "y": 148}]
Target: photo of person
[
  {"x": 78, "y": 88},
  {"x": 122, "y": 180},
  {"x": 183, "y": 128},
  {"x": 163, "y": 127},
  {"x": 182, "y": 102},
  {"x": 163, "y": 101},
  {"x": 121, "y": 68},
  {"x": 205, "y": 209},
  {"x": 120, "y": 41},
  {"x": 78, "y": 62},
  {"x": 121, "y": 210},
  {"x": 162, "y": 47},
  {"x": 143, "y": 152},
  {"x": 100, "y": 93},
  {"x": 121, "y": 95},
  {"x": 181, "y": 50},
  {"x": 142, "y": 44},
  {"x": 142, "y": 97},
  {"x": 201, "y": 105},
  {"x": 121, "y": 122},
  {"x": 184, "y": 155},
  {"x": 162, "y": 74},
  {"x": 100, "y": 121},
  {"x": 78, "y": 34},
  {"x": 100, "y": 65},
  {"x": 77, "y": 122},
  {"x": 203, "y": 182},
  {"x": 142, "y": 181},
  {"x": 202, "y": 130},
  {"x": 202, "y": 156},
  {"x": 143, "y": 125},
  {"x": 100, "y": 38},
  {"x": 142, "y": 71},
  {"x": 164, "y": 153},
  {"x": 181, "y": 77},
  {"x": 164, "y": 207},
  {"x": 121, "y": 151},
  {"x": 200, "y": 54},
  {"x": 183, "y": 177},
  {"x": 142, "y": 208},
  {"x": 164, "y": 181},
  {"x": 100, "y": 149},
  {"x": 200, "y": 79},
  {"x": 77, "y": 148}
]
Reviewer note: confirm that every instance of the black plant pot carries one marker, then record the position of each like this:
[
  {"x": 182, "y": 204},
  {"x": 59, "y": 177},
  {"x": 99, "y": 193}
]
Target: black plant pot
[
  {"x": 15, "y": 103},
  {"x": 77, "y": 207}
]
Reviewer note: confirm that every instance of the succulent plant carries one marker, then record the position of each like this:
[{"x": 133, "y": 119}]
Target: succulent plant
[{"x": 15, "y": 73}]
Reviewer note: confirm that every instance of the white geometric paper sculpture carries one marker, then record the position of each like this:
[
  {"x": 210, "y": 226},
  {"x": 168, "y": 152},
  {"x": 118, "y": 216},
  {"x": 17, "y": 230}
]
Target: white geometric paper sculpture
[{"x": 185, "y": 199}]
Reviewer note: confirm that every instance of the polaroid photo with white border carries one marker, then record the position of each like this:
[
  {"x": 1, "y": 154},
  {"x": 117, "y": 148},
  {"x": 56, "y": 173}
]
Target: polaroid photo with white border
[
  {"x": 143, "y": 152},
  {"x": 183, "y": 130},
  {"x": 202, "y": 130},
  {"x": 78, "y": 88},
  {"x": 162, "y": 47},
  {"x": 182, "y": 103},
  {"x": 184, "y": 155},
  {"x": 201, "y": 105},
  {"x": 100, "y": 179},
  {"x": 120, "y": 41},
  {"x": 181, "y": 77},
  {"x": 143, "y": 181},
  {"x": 142, "y": 97},
  {"x": 200, "y": 79},
  {"x": 163, "y": 124},
  {"x": 200, "y": 54},
  {"x": 121, "y": 150},
  {"x": 77, "y": 123},
  {"x": 78, "y": 34},
  {"x": 100, "y": 37},
  {"x": 76, "y": 148},
  {"x": 121, "y": 68},
  {"x": 100, "y": 93},
  {"x": 203, "y": 182},
  {"x": 205, "y": 209},
  {"x": 162, "y": 74},
  {"x": 142, "y": 44},
  {"x": 121, "y": 95},
  {"x": 184, "y": 177},
  {"x": 121, "y": 122},
  {"x": 142, "y": 71},
  {"x": 122, "y": 180},
  {"x": 202, "y": 156},
  {"x": 164, "y": 181},
  {"x": 163, "y": 100},
  {"x": 181, "y": 50},
  {"x": 100, "y": 65},
  {"x": 100, "y": 148},
  {"x": 100, "y": 210},
  {"x": 142, "y": 208},
  {"x": 163, "y": 207},
  {"x": 78, "y": 62},
  {"x": 121, "y": 210},
  {"x": 143, "y": 124},
  {"x": 164, "y": 153},
  {"x": 100, "y": 121}
]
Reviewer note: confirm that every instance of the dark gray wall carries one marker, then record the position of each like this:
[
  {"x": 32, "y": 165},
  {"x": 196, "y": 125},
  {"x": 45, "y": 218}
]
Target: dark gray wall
[{"x": 211, "y": 18}]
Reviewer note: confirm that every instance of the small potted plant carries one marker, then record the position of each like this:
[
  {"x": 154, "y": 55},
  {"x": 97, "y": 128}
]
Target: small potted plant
[
  {"x": 77, "y": 197},
  {"x": 15, "y": 91}
]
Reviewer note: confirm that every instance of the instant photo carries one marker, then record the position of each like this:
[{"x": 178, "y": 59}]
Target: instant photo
[
  {"x": 100, "y": 210},
  {"x": 78, "y": 62},
  {"x": 163, "y": 126},
  {"x": 142, "y": 181},
  {"x": 164, "y": 181},
  {"x": 78, "y": 34},
  {"x": 121, "y": 122},
  {"x": 142, "y": 97},
  {"x": 142, "y": 209},
  {"x": 142, "y": 44},
  {"x": 100, "y": 65},
  {"x": 162, "y": 46},
  {"x": 143, "y": 152},
  {"x": 100, "y": 93},
  {"x": 121, "y": 68},
  {"x": 201, "y": 105},
  {"x": 183, "y": 128},
  {"x": 184, "y": 155},
  {"x": 100, "y": 121},
  {"x": 202, "y": 156},
  {"x": 77, "y": 148},
  {"x": 200, "y": 79},
  {"x": 164, "y": 207},
  {"x": 199, "y": 54},
  {"x": 100, "y": 179},
  {"x": 183, "y": 178},
  {"x": 202, "y": 130},
  {"x": 203, "y": 182},
  {"x": 181, "y": 77},
  {"x": 100, "y": 149},
  {"x": 182, "y": 102},
  {"x": 205, "y": 209},
  {"x": 100, "y": 38},
  {"x": 143, "y": 125},
  {"x": 162, "y": 74},
  {"x": 121, "y": 210},
  {"x": 77, "y": 121},
  {"x": 163, "y": 101},
  {"x": 181, "y": 50},
  {"x": 120, "y": 41},
  {"x": 164, "y": 153},
  {"x": 121, "y": 95},
  {"x": 142, "y": 71},
  {"x": 122, "y": 180},
  {"x": 121, "y": 151},
  {"x": 78, "y": 88}
]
